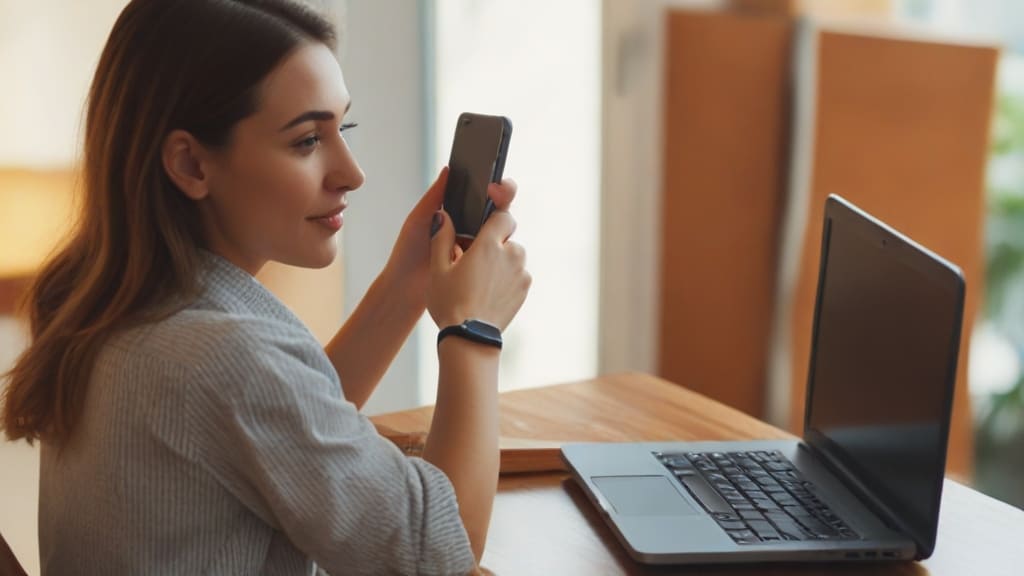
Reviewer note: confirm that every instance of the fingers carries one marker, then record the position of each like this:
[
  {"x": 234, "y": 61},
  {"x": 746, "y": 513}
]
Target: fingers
[
  {"x": 441, "y": 243},
  {"x": 434, "y": 196},
  {"x": 502, "y": 194},
  {"x": 517, "y": 253},
  {"x": 497, "y": 228}
]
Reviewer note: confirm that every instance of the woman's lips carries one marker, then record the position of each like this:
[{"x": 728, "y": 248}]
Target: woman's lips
[{"x": 332, "y": 220}]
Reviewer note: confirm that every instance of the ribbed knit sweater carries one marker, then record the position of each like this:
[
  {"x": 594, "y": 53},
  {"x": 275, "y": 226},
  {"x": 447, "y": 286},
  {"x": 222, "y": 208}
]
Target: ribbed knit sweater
[{"x": 218, "y": 441}]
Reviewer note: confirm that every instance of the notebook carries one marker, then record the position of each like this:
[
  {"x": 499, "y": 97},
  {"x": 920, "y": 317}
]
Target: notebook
[{"x": 865, "y": 481}]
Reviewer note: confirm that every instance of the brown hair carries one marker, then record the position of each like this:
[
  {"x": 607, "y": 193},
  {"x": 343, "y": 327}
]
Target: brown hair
[{"x": 194, "y": 65}]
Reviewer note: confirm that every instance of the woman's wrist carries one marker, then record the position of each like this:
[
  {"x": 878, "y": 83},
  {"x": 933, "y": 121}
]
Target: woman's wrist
[
  {"x": 457, "y": 346},
  {"x": 409, "y": 297}
]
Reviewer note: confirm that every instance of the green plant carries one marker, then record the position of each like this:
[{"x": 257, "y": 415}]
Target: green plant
[{"x": 1000, "y": 429}]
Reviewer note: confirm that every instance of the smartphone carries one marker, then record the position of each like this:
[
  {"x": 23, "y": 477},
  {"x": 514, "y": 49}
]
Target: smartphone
[{"x": 478, "y": 158}]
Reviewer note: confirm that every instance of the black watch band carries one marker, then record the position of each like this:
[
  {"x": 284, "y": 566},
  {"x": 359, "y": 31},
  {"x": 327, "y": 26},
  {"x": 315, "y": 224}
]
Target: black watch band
[{"x": 475, "y": 330}]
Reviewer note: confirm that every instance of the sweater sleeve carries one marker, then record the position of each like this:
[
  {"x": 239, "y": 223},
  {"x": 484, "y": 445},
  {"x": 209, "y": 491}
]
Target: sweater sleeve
[{"x": 277, "y": 434}]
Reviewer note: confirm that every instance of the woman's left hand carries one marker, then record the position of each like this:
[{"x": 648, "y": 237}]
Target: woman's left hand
[{"x": 408, "y": 267}]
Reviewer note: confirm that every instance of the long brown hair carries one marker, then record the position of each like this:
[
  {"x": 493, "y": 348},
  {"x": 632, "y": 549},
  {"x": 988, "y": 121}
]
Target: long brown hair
[{"x": 194, "y": 65}]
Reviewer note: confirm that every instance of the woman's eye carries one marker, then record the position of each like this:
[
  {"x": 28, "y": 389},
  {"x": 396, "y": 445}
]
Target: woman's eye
[{"x": 310, "y": 142}]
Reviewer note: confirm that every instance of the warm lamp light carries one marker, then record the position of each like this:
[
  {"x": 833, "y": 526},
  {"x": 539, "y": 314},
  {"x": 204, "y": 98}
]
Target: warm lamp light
[{"x": 36, "y": 210}]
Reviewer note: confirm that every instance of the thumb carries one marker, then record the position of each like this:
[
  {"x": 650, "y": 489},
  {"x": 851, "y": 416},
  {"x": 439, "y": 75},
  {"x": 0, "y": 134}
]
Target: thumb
[{"x": 441, "y": 241}]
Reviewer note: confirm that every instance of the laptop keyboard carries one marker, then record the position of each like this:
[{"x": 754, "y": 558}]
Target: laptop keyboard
[{"x": 756, "y": 496}]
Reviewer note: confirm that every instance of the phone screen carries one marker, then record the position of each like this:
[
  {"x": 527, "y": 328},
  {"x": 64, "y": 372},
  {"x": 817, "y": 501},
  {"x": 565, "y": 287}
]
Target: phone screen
[{"x": 477, "y": 159}]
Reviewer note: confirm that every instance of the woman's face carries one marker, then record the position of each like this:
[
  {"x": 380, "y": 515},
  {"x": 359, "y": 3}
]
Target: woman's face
[{"x": 276, "y": 192}]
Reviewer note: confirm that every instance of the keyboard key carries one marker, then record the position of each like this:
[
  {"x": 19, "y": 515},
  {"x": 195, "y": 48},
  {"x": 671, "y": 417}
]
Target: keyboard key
[
  {"x": 789, "y": 528},
  {"x": 732, "y": 525},
  {"x": 810, "y": 502},
  {"x": 816, "y": 527},
  {"x": 705, "y": 465},
  {"x": 783, "y": 499},
  {"x": 796, "y": 511},
  {"x": 676, "y": 463},
  {"x": 743, "y": 536},
  {"x": 705, "y": 494},
  {"x": 746, "y": 485},
  {"x": 764, "y": 530},
  {"x": 751, "y": 515},
  {"x": 788, "y": 476}
]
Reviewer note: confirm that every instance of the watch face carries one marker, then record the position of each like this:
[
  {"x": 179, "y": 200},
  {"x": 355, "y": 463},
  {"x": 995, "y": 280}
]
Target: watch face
[{"x": 484, "y": 329}]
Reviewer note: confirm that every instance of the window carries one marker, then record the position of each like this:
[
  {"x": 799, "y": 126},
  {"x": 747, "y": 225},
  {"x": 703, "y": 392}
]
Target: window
[{"x": 538, "y": 63}]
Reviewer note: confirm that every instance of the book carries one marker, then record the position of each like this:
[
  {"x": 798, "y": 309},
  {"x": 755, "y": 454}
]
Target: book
[{"x": 518, "y": 455}]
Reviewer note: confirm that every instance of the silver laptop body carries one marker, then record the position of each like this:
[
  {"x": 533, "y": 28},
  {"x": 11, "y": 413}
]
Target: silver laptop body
[{"x": 865, "y": 481}]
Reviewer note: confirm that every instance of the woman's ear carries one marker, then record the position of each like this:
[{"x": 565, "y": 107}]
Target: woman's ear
[{"x": 183, "y": 157}]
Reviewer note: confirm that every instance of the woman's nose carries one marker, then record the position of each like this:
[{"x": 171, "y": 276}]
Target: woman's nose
[{"x": 345, "y": 174}]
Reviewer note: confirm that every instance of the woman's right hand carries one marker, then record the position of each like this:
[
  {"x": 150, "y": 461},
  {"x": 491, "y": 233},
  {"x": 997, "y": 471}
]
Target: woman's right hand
[{"x": 487, "y": 282}]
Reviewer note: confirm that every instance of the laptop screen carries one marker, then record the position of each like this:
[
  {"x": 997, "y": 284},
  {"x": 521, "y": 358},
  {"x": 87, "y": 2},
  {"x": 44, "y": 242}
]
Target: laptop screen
[{"x": 883, "y": 365}]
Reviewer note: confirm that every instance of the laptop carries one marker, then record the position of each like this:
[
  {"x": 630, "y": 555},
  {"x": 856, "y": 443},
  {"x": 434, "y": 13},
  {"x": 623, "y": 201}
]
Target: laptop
[{"x": 865, "y": 481}]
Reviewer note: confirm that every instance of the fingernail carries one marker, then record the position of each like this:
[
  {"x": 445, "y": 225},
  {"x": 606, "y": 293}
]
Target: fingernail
[{"x": 435, "y": 224}]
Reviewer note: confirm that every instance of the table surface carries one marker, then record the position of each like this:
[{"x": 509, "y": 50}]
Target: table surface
[{"x": 543, "y": 523}]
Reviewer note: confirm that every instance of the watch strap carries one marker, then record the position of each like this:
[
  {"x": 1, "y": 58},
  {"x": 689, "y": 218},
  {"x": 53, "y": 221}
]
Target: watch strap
[{"x": 473, "y": 330}]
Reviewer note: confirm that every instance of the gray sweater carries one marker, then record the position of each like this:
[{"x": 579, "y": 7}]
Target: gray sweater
[{"x": 218, "y": 442}]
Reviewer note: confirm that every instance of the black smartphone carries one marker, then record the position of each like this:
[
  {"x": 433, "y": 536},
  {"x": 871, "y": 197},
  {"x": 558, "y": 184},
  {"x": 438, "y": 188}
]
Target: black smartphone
[{"x": 478, "y": 158}]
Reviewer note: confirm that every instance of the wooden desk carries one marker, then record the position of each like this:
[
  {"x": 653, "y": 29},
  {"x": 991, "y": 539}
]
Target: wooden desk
[{"x": 544, "y": 524}]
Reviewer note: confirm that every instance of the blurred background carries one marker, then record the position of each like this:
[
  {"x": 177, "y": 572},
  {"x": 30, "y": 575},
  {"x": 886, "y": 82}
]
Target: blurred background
[{"x": 672, "y": 158}]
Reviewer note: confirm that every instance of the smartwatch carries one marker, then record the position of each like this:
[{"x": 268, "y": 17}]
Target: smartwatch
[{"x": 475, "y": 330}]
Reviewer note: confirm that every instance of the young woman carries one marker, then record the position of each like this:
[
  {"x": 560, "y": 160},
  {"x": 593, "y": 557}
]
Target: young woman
[{"x": 190, "y": 424}]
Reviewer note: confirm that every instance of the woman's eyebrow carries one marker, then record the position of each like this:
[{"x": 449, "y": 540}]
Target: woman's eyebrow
[{"x": 312, "y": 115}]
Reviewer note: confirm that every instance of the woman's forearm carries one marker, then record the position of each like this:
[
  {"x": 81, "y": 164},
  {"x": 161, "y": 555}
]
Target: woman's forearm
[
  {"x": 463, "y": 439},
  {"x": 372, "y": 336}
]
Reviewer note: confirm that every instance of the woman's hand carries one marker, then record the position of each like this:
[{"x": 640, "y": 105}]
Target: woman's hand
[
  {"x": 409, "y": 263},
  {"x": 489, "y": 280}
]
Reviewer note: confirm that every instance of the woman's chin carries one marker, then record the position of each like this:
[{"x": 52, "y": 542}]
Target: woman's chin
[{"x": 321, "y": 257}]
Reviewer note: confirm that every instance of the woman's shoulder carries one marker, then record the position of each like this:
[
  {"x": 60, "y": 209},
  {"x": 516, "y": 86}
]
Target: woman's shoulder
[{"x": 200, "y": 338}]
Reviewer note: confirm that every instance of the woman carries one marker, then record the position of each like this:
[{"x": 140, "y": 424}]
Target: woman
[{"x": 190, "y": 424}]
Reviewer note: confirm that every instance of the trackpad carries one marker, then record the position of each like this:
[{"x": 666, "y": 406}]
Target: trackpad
[{"x": 642, "y": 496}]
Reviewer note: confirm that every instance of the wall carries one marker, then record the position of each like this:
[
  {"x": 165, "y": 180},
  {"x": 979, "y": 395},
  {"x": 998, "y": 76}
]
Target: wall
[
  {"x": 382, "y": 60},
  {"x": 48, "y": 51}
]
